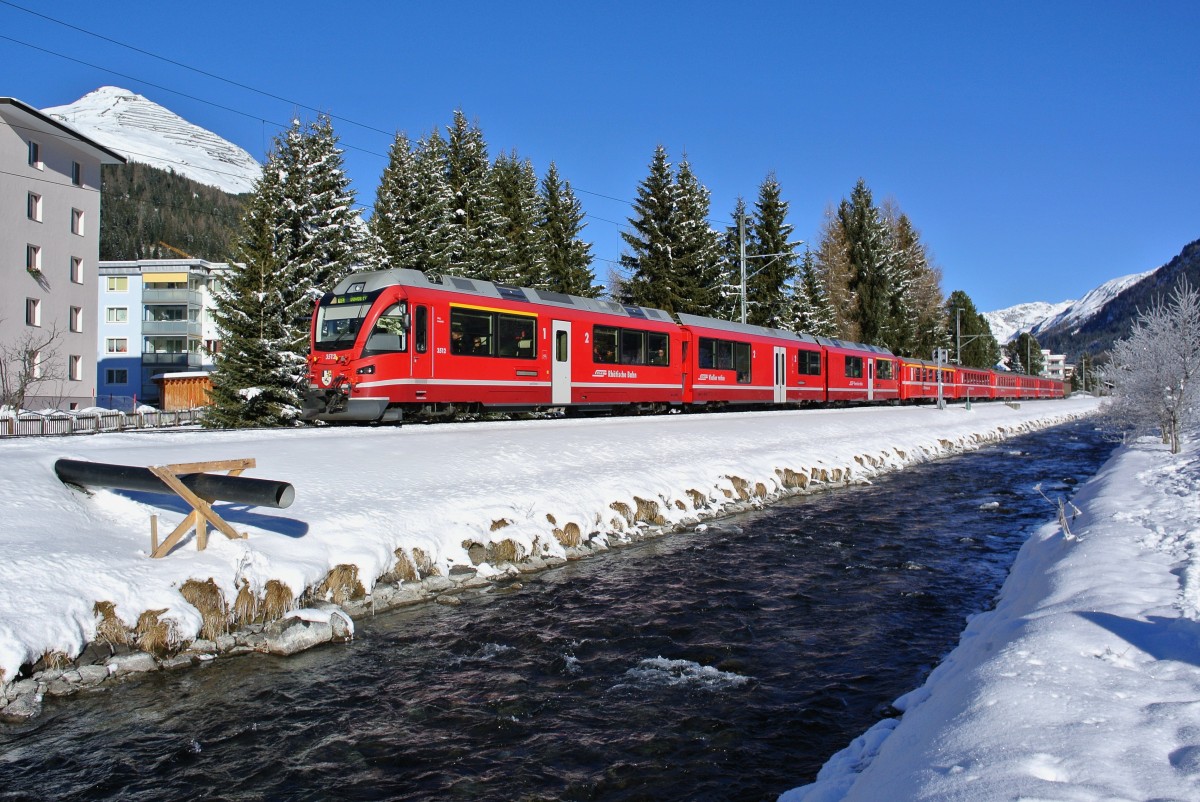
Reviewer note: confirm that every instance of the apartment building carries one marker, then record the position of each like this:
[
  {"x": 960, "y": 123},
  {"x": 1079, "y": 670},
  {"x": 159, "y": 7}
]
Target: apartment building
[
  {"x": 49, "y": 250},
  {"x": 154, "y": 317}
]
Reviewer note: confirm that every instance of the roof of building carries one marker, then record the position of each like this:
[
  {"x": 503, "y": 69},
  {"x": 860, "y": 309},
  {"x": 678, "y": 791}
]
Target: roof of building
[{"x": 104, "y": 154}]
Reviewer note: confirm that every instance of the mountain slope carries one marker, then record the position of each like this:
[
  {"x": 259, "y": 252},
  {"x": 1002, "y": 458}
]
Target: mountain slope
[
  {"x": 146, "y": 132},
  {"x": 1007, "y": 323},
  {"x": 1110, "y": 318}
]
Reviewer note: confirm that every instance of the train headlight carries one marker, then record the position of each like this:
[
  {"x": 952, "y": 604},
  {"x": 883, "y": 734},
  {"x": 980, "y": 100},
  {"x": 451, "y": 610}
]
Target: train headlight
[{"x": 369, "y": 369}]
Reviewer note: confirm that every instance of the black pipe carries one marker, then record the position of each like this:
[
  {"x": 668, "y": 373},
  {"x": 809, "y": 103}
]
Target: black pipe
[{"x": 208, "y": 486}]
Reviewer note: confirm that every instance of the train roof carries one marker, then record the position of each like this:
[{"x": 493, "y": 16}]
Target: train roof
[
  {"x": 830, "y": 342},
  {"x": 377, "y": 279},
  {"x": 741, "y": 328}
]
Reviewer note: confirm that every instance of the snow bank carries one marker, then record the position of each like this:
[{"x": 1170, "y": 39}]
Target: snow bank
[
  {"x": 442, "y": 502},
  {"x": 1082, "y": 684}
]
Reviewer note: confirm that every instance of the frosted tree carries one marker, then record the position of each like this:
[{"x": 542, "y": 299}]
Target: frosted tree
[
  {"x": 834, "y": 270},
  {"x": 475, "y": 243},
  {"x": 650, "y": 276},
  {"x": 696, "y": 251},
  {"x": 300, "y": 235},
  {"x": 811, "y": 311},
  {"x": 514, "y": 187},
  {"x": 727, "y": 297},
  {"x": 566, "y": 257},
  {"x": 397, "y": 209},
  {"x": 772, "y": 259},
  {"x": 873, "y": 275},
  {"x": 1153, "y": 372},
  {"x": 256, "y": 381}
]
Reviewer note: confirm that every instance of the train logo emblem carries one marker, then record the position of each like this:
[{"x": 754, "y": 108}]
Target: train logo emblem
[{"x": 326, "y": 377}]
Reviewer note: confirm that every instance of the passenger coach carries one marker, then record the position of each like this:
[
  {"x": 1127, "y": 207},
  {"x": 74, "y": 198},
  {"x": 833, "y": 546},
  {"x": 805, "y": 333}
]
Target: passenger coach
[{"x": 395, "y": 343}]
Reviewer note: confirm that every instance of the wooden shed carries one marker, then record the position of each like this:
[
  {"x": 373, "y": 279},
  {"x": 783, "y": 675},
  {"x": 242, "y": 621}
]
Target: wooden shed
[{"x": 184, "y": 390}]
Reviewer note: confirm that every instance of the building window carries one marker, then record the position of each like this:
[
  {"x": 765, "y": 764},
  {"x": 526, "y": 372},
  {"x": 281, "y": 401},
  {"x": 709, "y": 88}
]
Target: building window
[
  {"x": 35, "y": 155},
  {"x": 77, "y": 174},
  {"x": 118, "y": 283},
  {"x": 75, "y": 367},
  {"x": 116, "y": 345},
  {"x": 35, "y": 364},
  {"x": 76, "y": 270},
  {"x": 33, "y": 207},
  {"x": 116, "y": 376},
  {"x": 76, "y": 319},
  {"x": 116, "y": 314},
  {"x": 33, "y": 312},
  {"x": 77, "y": 221},
  {"x": 33, "y": 259}
]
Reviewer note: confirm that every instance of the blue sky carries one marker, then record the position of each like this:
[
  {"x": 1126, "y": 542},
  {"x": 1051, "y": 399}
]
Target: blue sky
[{"x": 1041, "y": 148}]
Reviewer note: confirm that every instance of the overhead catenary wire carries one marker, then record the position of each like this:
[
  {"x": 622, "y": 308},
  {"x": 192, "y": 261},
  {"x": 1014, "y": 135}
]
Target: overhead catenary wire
[{"x": 712, "y": 221}]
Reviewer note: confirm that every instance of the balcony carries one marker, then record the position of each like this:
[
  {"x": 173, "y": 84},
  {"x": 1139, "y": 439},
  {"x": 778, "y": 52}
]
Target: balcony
[
  {"x": 171, "y": 328},
  {"x": 189, "y": 297},
  {"x": 170, "y": 363}
]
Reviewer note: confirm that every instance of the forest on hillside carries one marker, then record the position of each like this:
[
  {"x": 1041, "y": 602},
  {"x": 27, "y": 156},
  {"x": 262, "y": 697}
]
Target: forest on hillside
[{"x": 144, "y": 207}]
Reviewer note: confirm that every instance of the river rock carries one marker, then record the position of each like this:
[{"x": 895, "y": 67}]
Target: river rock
[
  {"x": 291, "y": 635},
  {"x": 92, "y": 675},
  {"x": 25, "y": 707},
  {"x": 132, "y": 663}
]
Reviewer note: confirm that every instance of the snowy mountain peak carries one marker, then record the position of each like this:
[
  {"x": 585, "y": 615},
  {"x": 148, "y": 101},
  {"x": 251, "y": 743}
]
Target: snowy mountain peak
[
  {"x": 1090, "y": 304},
  {"x": 145, "y": 132},
  {"x": 1008, "y": 323}
]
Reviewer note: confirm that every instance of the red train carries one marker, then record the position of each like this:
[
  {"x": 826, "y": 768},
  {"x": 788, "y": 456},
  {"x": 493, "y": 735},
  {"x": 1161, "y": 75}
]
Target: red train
[{"x": 396, "y": 343}]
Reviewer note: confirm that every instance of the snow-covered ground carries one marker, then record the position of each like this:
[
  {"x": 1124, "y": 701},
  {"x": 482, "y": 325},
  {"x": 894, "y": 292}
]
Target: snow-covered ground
[
  {"x": 431, "y": 492},
  {"x": 1083, "y": 683}
]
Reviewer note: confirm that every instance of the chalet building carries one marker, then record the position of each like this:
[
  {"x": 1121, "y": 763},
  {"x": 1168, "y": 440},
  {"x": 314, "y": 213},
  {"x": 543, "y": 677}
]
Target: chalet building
[
  {"x": 154, "y": 318},
  {"x": 50, "y": 248}
]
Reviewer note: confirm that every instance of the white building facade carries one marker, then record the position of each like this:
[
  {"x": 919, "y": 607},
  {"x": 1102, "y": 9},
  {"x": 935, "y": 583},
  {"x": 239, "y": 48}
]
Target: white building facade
[{"x": 50, "y": 248}]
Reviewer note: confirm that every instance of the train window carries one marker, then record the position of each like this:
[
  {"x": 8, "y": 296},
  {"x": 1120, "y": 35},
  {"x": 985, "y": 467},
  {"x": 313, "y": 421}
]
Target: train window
[
  {"x": 633, "y": 347},
  {"x": 388, "y": 335},
  {"x": 741, "y": 361},
  {"x": 883, "y": 369},
  {"x": 659, "y": 348},
  {"x": 472, "y": 332},
  {"x": 706, "y": 353},
  {"x": 854, "y": 367},
  {"x": 514, "y": 335},
  {"x": 421, "y": 330},
  {"x": 604, "y": 345},
  {"x": 560, "y": 346},
  {"x": 810, "y": 363}
]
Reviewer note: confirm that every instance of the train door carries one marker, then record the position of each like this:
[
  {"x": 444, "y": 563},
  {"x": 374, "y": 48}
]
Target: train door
[
  {"x": 780, "y": 374},
  {"x": 560, "y": 363},
  {"x": 422, "y": 354},
  {"x": 870, "y": 379}
]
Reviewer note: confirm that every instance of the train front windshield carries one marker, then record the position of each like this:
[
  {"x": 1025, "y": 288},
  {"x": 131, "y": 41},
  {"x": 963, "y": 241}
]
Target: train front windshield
[{"x": 339, "y": 319}]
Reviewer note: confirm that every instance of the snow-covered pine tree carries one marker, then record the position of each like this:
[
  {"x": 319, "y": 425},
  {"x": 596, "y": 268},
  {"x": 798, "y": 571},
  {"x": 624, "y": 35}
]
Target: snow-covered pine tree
[
  {"x": 566, "y": 257},
  {"x": 872, "y": 265},
  {"x": 432, "y": 209},
  {"x": 300, "y": 235},
  {"x": 476, "y": 246},
  {"x": 811, "y": 311},
  {"x": 771, "y": 259},
  {"x": 834, "y": 270},
  {"x": 923, "y": 283},
  {"x": 727, "y": 298},
  {"x": 395, "y": 206},
  {"x": 515, "y": 188},
  {"x": 696, "y": 252},
  {"x": 255, "y": 377},
  {"x": 649, "y": 263}
]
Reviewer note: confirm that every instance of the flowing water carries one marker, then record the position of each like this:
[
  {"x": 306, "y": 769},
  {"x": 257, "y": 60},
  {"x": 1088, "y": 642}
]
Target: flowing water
[{"x": 727, "y": 664}]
